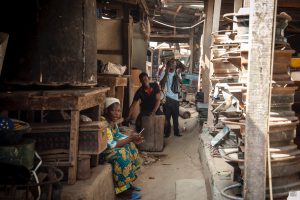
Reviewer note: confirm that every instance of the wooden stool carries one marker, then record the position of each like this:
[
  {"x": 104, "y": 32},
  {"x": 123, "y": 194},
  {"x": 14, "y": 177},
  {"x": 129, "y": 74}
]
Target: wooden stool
[{"x": 153, "y": 133}]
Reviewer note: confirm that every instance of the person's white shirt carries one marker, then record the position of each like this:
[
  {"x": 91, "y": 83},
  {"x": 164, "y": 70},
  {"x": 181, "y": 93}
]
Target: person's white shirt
[{"x": 168, "y": 85}]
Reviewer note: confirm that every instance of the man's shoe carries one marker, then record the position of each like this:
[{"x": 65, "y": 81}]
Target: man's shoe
[{"x": 178, "y": 135}]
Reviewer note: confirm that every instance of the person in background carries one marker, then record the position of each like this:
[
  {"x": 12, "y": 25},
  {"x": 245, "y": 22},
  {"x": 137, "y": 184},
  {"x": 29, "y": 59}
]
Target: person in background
[
  {"x": 161, "y": 68},
  {"x": 171, "y": 105},
  {"x": 149, "y": 96},
  {"x": 121, "y": 152}
]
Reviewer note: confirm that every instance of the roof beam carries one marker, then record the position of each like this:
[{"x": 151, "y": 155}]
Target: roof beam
[
  {"x": 288, "y": 4},
  {"x": 170, "y": 37}
]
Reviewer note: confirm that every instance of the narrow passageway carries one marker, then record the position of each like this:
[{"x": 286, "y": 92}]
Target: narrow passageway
[{"x": 179, "y": 160}]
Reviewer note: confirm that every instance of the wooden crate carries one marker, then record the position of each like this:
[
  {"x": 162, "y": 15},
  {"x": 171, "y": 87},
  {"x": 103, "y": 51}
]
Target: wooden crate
[
  {"x": 92, "y": 137},
  {"x": 153, "y": 133}
]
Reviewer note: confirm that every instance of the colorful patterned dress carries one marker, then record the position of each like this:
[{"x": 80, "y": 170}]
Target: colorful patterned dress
[{"x": 125, "y": 160}]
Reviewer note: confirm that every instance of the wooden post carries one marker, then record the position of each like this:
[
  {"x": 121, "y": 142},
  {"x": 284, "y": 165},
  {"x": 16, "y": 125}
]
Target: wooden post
[
  {"x": 191, "y": 67},
  {"x": 74, "y": 133},
  {"x": 211, "y": 25},
  {"x": 205, "y": 54},
  {"x": 262, "y": 16},
  {"x": 127, "y": 39},
  {"x": 120, "y": 94},
  {"x": 246, "y": 3},
  {"x": 216, "y": 16},
  {"x": 237, "y": 5},
  {"x": 127, "y": 51}
]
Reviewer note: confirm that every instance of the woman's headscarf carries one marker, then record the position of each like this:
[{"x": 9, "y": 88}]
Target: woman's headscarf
[{"x": 111, "y": 100}]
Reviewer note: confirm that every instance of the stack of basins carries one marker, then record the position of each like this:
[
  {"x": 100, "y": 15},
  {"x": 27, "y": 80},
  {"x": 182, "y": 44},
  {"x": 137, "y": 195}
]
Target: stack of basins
[
  {"x": 285, "y": 157},
  {"x": 224, "y": 71}
]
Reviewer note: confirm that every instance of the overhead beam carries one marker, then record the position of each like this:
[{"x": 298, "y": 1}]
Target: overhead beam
[
  {"x": 288, "y": 4},
  {"x": 170, "y": 38},
  {"x": 171, "y": 12},
  {"x": 134, "y": 2},
  {"x": 183, "y": 2},
  {"x": 261, "y": 49}
]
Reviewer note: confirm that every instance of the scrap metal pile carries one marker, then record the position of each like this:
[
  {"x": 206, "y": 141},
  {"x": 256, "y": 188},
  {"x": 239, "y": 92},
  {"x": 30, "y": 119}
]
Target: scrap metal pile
[{"x": 230, "y": 62}]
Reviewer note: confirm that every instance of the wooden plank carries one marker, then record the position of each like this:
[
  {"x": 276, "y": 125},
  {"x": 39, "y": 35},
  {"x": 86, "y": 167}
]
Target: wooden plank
[
  {"x": 260, "y": 64},
  {"x": 110, "y": 81},
  {"x": 177, "y": 36},
  {"x": 74, "y": 132},
  {"x": 110, "y": 52},
  {"x": 3, "y": 44},
  {"x": 120, "y": 95},
  {"x": 55, "y": 100},
  {"x": 91, "y": 101}
]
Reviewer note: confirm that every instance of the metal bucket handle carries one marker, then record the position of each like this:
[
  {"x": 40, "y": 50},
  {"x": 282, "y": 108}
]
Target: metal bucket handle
[{"x": 228, "y": 15}]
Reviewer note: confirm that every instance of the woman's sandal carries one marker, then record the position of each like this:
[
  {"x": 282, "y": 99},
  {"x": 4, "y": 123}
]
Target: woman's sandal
[
  {"x": 135, "y": 188},
  {"x": 135, "y": 195}
]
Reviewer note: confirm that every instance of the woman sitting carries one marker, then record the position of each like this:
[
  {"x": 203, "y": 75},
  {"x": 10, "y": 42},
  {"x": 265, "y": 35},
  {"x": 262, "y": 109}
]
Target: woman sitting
[{"x": 121, "y": 152}]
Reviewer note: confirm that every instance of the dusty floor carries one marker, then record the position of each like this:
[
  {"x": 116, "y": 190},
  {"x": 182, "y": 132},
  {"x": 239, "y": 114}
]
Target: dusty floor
[{"x": 179, "y": 160}]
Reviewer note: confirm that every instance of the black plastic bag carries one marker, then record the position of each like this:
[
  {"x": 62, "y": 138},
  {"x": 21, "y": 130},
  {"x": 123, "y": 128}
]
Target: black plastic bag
[{"x": 175, "y": 87}]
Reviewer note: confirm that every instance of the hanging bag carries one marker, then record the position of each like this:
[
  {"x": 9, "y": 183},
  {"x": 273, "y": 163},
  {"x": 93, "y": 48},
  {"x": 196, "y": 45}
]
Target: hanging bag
[{"x": 175, "y": 87}]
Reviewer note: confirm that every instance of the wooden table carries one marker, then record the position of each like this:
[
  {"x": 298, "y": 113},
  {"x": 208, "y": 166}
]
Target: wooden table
[
  {"x": 116, "y": 84},
  {"x": 74, "y": 100}
]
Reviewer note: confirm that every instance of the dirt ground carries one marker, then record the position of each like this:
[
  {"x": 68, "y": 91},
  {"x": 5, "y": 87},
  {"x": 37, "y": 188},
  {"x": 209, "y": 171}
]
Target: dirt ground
[{"x": 179, "y": 160}]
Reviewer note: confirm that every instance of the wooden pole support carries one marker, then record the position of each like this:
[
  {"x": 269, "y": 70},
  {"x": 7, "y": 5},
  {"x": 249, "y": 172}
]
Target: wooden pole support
[
  {"x": 74, "y": 134},
  {"x": 262, "y": 16}
]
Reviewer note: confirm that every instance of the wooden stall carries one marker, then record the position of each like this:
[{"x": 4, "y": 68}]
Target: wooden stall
[{"x": 75, "y": 100}]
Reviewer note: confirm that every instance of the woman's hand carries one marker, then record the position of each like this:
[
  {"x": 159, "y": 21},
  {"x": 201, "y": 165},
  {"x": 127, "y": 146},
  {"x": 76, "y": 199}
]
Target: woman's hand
[{"x": 136, "y": 138}]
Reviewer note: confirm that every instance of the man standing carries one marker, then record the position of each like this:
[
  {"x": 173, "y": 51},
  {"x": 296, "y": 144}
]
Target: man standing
[
  {"x": 171, "y": 106},
  {"x": 149, "y": 95}
]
